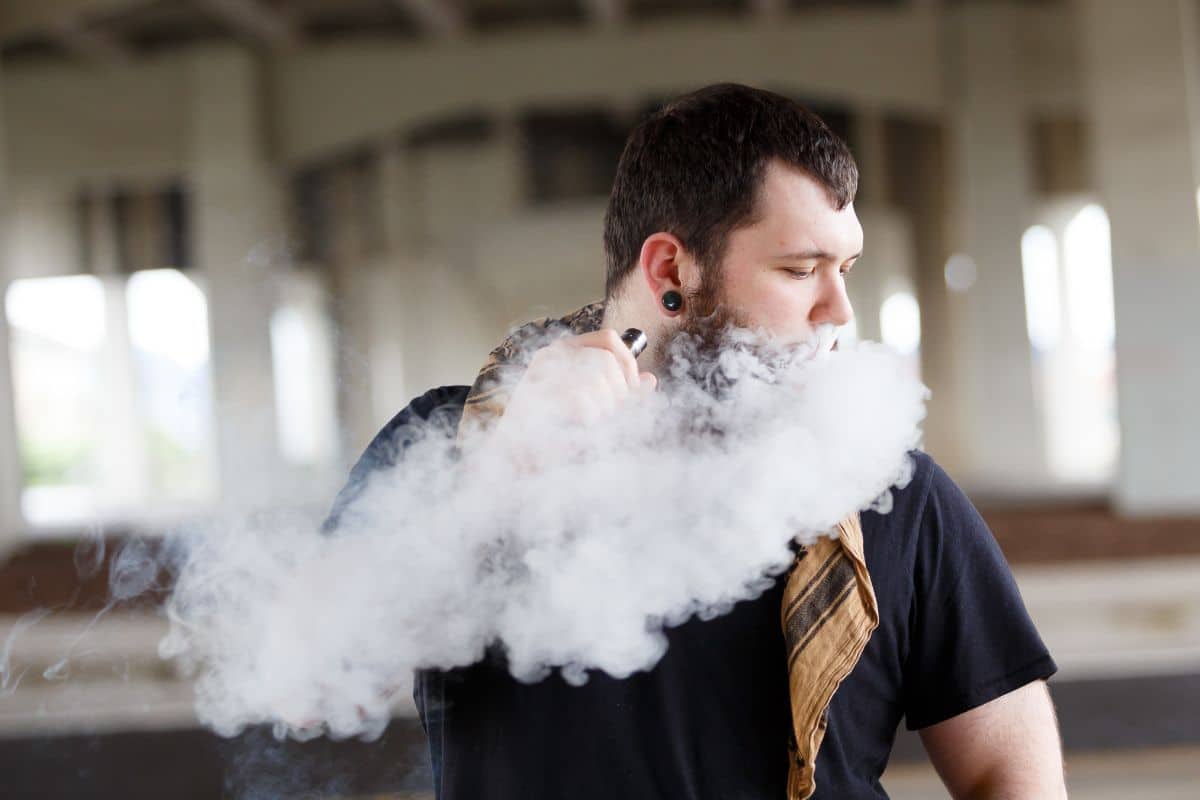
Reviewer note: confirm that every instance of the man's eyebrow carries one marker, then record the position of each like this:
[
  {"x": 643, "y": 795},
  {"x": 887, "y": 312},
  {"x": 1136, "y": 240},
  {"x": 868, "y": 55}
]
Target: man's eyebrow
[{"x": 815, "y": 255}]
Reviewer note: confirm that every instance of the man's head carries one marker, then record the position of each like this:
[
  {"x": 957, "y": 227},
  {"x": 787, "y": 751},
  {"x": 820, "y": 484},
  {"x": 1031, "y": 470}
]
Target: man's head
[{"x": 742, "y": 200}]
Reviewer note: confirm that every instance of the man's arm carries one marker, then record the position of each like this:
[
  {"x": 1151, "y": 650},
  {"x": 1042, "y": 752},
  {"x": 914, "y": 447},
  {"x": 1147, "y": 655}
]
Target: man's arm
[{"x": 1005, "y": 749}]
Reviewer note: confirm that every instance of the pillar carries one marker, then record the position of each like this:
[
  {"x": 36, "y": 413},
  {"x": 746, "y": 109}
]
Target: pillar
[
  {"x": 1140, "y": 67},
  {"x": 456, "y": 191},
  {"x": 391, "y": 286},
  {"x": 11, "y": 523},
  {"x": 346, "y": 197},
  {"x": 1002, "y": 445},
  {"x": 887, "y": 263},
  {"x": 238, "y": 244}
]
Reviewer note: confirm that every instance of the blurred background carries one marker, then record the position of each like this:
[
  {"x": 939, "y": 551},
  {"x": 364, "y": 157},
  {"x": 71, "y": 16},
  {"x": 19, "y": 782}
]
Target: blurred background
[{"x": 237, "y": 236}]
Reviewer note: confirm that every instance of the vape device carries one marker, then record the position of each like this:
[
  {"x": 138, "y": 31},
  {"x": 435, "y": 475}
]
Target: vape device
[{"x": 635, "y": 340}]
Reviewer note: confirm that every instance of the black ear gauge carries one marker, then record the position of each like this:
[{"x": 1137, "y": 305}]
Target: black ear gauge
[
  {"x": 672, "y": 300},
  {"x": 635, "y": 340}
]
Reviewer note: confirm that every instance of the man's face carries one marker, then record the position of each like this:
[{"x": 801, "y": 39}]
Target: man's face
[{"x": 786, "y": 273}]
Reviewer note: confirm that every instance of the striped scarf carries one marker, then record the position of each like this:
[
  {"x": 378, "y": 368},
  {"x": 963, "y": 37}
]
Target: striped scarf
[{"x": 828, "y": 611}]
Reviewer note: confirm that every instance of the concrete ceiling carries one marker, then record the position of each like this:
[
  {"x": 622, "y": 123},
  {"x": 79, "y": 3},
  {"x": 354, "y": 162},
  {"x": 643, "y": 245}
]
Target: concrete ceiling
[{"x": 120, "y": 30}]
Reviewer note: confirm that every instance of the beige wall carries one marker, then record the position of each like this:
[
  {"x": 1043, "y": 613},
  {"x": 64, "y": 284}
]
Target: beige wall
[
  {"x": 71, "y": 123},
  {"x": 1146, "y": 156},
  {"x": 10, "y": 518},
  {"x": 465, "y": 256}
]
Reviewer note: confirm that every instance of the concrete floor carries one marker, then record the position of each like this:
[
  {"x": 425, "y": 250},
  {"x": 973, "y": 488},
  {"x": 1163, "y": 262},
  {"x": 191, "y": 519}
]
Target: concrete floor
[
  {"x": 1159, "y": 774},
  {"x": 1162, "y": 774}
]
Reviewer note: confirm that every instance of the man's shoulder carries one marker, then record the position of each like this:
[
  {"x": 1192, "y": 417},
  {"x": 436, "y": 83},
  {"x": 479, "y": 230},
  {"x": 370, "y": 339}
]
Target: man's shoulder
[
  {"x": 440, "y": 406},
  {"x": 441, "y": 397},
  {"x": 930, "y": 512},
  {"x": 929, "y": 482},
  {"x": 933, "y": 519},
  {"x": 908, "y": 501}
]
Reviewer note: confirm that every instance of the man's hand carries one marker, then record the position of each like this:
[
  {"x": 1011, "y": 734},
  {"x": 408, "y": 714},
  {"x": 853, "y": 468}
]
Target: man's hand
[
  {"x": 577, "y": 379},
  {"x": 1007, "y": 748}
]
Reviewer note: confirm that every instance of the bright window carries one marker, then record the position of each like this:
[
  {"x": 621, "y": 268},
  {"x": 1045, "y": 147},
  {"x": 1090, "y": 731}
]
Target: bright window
[
  {"x": 168, "y": 336},
  {"x": 1043, "y": 305},
  {"x": 1069, "y": 311},
  {"x": 900, "y": 323},
  {"x": 57, "y": 343},
  {"x": 1088, "y": 256},
  {"x": 113, "y": 395},
  {"x": 302, "y": 358}
]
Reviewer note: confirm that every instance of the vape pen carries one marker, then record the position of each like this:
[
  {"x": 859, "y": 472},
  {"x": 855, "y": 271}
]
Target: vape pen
[{"x": 635, "y": 340}]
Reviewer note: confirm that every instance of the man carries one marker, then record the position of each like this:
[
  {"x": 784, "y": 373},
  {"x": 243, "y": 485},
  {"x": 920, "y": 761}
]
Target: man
[{"x": 736, "y": 204}]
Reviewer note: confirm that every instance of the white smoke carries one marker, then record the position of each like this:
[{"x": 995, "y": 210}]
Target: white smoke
[{"x": 683, "y": 503}]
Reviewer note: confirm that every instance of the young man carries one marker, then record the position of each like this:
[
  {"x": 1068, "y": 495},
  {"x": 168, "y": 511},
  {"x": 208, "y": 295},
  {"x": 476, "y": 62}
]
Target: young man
[{"x": 736, "y": 204}]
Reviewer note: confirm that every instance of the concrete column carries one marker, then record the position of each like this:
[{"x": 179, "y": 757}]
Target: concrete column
[
  {"x": 238, "y": 241},
  {"x": 1003, "y": 445},
  {"x": 866, "y": 286},
  {"x": 870, "y": 153},
  {"x": 348, "y": 265},
  {"x": 123, "y": 471},
  {"x": 391, "y": 292},
  {"x": 123, "y": 483},
  {"x": 466, "y": 186},
  {"x": 887, "y": 263},
  {"x": 41, "y": 238},
  {"x": 919, "y": 183},
  {"x": 433, "y": 318},
  {"x": 1140, "y": 65},
  {"x": 11, "y": 523},
  {"x": 461, "y": 193}
]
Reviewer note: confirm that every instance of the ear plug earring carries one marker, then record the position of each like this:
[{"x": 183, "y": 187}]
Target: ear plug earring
[{"x": 672, "y": 300}]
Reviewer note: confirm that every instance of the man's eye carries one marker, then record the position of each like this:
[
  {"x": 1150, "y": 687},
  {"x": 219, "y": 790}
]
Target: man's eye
[{"x": 799, "y": 274}]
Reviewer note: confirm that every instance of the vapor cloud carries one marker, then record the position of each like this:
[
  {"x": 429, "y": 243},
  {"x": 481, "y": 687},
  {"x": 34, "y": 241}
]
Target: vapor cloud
[{"x": 683, "y": 503}]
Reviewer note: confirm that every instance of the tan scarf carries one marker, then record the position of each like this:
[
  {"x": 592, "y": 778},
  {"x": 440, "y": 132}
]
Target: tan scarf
[{"x": 829, "y": 609}]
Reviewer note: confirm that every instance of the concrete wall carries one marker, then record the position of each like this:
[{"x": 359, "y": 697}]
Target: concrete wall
[
  {"x": 466, "y": 256},
  {"x": 70, "y": 123},
  {"x": 877, "y": 57},
  {"x": 1146, "y": 155},
  {"x": 10, "y": 478}
]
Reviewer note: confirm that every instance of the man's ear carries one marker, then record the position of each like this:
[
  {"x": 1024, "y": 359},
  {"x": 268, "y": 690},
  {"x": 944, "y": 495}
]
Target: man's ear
[{"x": 665, "y": 265}]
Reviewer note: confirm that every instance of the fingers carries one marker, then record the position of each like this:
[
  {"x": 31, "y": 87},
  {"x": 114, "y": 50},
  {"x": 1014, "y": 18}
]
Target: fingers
[
  {"x": 578, "y": 379},
  {"x": 610, "y": 341},
  {"x": 600, "y": 363}
]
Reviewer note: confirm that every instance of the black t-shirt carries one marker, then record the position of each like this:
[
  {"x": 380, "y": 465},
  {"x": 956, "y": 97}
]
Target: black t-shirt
[{"x": 711, "y": 719}]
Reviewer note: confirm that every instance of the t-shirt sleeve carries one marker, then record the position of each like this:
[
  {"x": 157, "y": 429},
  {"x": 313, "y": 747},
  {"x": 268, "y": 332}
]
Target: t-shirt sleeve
[{"x": 971, "y": 639}]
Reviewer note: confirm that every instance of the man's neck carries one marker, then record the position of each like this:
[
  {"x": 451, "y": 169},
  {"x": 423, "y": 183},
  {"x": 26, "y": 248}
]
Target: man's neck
[{"x": 620, "y": 315}]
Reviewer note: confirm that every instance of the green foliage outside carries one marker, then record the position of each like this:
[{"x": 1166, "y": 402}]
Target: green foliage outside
[{"x": 45, "y": 462}]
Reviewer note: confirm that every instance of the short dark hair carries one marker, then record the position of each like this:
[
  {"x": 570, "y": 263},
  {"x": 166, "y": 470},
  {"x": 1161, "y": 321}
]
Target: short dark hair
[{"x": 694, "y": 168}]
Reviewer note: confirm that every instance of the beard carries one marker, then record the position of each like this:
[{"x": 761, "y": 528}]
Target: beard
[
  {"x": 703, "y": 331},
  {"x": 713, "y": 333}
]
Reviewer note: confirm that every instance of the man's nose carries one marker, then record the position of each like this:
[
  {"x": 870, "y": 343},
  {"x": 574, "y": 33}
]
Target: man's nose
[{"x": 833, "y": 305}]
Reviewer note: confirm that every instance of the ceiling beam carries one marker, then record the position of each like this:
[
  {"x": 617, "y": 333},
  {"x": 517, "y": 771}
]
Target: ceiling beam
[
  {"x": 768, "y": 9},
  {"x": 90, "y": 45},
  {"x": 256, "y": 20},
  {"x": 442, "y": 19},
  {"x": 607, "y": 13},
  {"x": 22, "y": 17}
]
